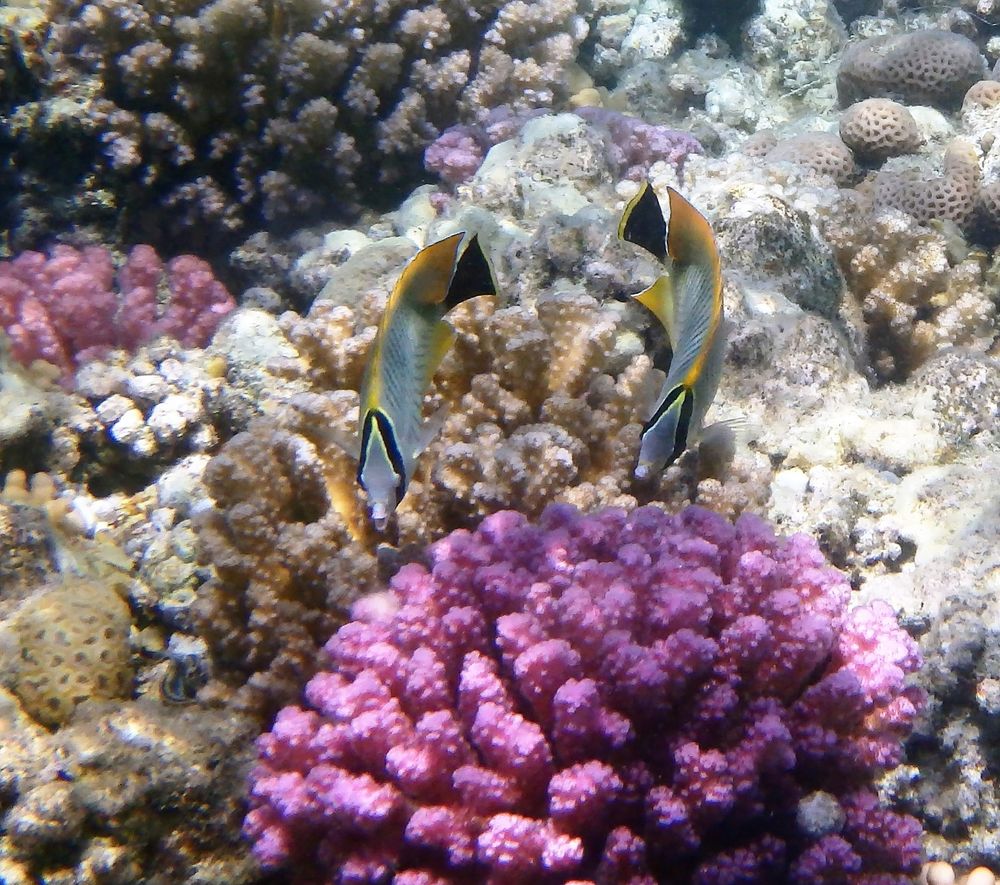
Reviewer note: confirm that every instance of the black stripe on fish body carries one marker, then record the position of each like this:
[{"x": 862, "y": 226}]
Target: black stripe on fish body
[
  {"x": 645, "y": 225},
  {"x": 473, "y": 276},
  {"x": 377, "y": 420},
  {"x": 686, "y": 396}
]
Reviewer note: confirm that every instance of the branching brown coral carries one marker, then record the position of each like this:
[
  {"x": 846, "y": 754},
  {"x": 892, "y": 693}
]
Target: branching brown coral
[
  {"x": 280, "y": 586},
  {"x": 917, "y": 297},
  {"x": 234, "y": 112}
]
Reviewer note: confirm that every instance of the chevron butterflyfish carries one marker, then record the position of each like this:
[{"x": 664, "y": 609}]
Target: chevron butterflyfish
[
  {"x": 687, "y": 300},
  {"x": 412, "y": 339}
]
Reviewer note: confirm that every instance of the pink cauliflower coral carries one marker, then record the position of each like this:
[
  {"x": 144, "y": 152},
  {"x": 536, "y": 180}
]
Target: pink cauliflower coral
[
  {"x": 620, "y": 697},
  {"x": 65, "y": 308}
]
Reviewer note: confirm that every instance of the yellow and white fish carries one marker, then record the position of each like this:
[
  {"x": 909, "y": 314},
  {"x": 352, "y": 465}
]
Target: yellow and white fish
[
  {"x": 412, "y": 340},
  {"x": 687, "y": 300}
]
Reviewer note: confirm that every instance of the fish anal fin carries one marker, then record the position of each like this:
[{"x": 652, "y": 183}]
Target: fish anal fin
[
  {"x": 643, "y": 224},
  {"x": 659, "y": 299},
  {"x": 473, "y": 275}
]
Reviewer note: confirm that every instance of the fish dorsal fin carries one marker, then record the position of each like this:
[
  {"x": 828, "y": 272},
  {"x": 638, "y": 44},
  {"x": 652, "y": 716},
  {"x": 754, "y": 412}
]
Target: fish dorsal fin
[
  {"x": 473, "y": 275},
  {"x": 427, "y": 278},
  {"x": 659, "y": 298},
  {"x": 442, "y": 337},
  {"x": 642, "y": 223},
  {"x": 690, "y": 240}
]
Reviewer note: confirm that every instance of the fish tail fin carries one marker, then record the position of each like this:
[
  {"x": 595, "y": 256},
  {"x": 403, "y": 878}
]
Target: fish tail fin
[
  {"x": 642, "y": 223},
  {"x": 473, "y": 275},
  {"x": 719, "y": 442}
]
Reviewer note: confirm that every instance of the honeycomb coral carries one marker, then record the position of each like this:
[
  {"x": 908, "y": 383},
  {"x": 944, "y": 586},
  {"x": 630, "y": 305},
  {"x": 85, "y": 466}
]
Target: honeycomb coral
[
  {"x": 984, "y": 94},
  {"x": 924, "y": 67},
  {"x": 73, "y": 646},
  {"x": 823, "y": 152},
  {"x": 951, "y": 196},
  {"x": 877, "y": 128}
]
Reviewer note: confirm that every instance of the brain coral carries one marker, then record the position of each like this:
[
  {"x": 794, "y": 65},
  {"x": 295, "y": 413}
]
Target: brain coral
[
  {"x": 608, "y": 698},
  {"x": 233, "y": 112},
  {"x": 877, "y": 128},
  {"x": 923, "y": 67}
]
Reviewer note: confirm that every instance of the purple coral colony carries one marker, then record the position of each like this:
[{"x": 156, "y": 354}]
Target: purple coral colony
[{"x": 499, "y": 442}]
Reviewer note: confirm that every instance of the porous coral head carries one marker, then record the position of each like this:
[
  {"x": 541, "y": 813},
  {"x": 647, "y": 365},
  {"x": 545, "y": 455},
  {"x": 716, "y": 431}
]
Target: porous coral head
[
  {"x": 922, "y": 67},
  {"x": 624, "y": 696},
  {"x": 877, "y": 128}
]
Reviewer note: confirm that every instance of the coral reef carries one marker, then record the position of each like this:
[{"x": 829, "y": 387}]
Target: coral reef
[
  {"x": 65, "y": 309},
  {"x": 223, "y": 115},
  {"x": 604, "y": 697},
  {"x": 923, "y": 67},
  {"x": 285, "y": 566},
  {"x": 952, "y": 196},
  {"x": 633, "y": 145},
  {"x": 133, "y": 792},
  {"x": 72, "y": 643}
]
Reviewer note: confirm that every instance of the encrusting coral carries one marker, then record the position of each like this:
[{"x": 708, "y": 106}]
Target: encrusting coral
[{"x": 614, "y": 697}]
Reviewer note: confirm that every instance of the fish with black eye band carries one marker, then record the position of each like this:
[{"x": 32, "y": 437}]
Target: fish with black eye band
[
  {"x": 412, "y": 339},
  {"x": 687, "y": 300}
]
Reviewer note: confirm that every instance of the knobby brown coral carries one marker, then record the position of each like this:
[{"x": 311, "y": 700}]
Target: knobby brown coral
[{"x": 917, "y": 295}]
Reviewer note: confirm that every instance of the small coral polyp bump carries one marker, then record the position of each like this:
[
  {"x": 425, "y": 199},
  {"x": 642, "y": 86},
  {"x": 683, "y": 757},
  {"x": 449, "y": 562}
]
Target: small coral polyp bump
[{"x": 625, "y": 696}]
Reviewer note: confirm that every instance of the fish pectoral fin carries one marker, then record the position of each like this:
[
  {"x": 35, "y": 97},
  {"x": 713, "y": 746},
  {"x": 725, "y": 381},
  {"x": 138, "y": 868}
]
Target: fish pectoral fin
[
  {"x": 348, "y": 443},
  {"x": 473, "y": 275},
  {"x": 430, "y": 429},
  {"x": 659, "y": 299},
  {"x": 643, "y": 224},
  {"x": 442, "y": 338}
]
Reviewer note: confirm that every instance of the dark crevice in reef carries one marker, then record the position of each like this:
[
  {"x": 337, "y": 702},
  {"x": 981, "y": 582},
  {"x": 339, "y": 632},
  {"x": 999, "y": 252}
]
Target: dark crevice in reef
[{"x": 724, "y": 18}]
